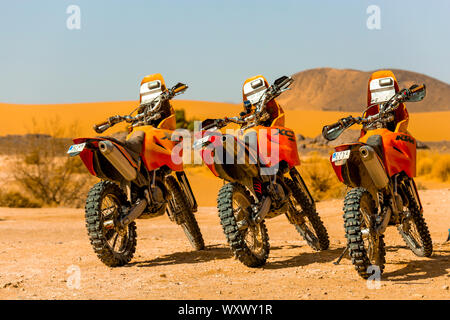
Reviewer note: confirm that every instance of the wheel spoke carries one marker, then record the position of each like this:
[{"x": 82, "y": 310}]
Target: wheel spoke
[
  {"x": 108, "y": 211},
  {"x": 114, "y": 242}
]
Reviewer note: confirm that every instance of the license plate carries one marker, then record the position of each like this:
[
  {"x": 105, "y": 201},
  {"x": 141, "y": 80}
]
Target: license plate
[
  {"x": 200, "y": 142},
  {"x": 340, "y": 157},
  {"x": 75, "y": 149}
]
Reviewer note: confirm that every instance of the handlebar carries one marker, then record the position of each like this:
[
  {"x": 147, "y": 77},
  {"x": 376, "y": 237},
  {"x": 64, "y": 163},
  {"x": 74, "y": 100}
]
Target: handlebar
[
  {"x": 100, "y": 128},
  {"x": 416, "y": 88},
  {"x": 103, "y": 126},
  {"x": 179, "y": 88},
  {"x": 280, "y": 85},
  {"x": 413, "y": 94}
]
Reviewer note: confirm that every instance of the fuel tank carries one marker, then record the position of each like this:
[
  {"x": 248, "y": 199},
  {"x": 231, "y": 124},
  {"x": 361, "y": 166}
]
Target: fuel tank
[
  {"x": 158, "y": 147},
  {"x": 276, "y": 144}
]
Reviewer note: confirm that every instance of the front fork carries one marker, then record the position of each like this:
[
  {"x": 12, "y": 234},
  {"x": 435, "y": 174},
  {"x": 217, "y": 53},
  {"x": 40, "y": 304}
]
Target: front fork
[
  {"x": 185, "y": 185},
  {"x": 295, "y": 175},
  {"x": 415, "y": 193}
]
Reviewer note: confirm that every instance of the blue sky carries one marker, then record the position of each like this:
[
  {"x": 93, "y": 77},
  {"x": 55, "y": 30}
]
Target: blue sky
[{"x": 213, "y": 46}]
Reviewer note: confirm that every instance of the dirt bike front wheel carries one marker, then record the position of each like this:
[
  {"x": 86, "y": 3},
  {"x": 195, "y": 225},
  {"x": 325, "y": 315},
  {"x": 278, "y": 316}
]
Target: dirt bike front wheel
[
  {"x": 180, "y": 206},
  {"x": 249, "y": 243},
  {"x": 311, "y": 228},
  {"x": 113, "y": 246},
  {"x": 414, "y": 229}
]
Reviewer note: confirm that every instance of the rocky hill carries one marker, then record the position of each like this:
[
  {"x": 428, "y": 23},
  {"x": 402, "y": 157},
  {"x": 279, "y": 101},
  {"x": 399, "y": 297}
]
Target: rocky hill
[{"x": 346, "y": 90}]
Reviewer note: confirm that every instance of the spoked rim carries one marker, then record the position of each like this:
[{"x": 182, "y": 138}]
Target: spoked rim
[
  {"x": 370, "y": 239},
  {"x": 252, "y": 235},
  {"x": 110, "y": 212}
]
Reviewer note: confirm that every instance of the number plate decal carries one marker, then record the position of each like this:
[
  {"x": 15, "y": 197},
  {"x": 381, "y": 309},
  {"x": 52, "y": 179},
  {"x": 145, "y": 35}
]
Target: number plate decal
[
  {"x": 339, "y": 158},
  {"x": 76, "y": 149}
]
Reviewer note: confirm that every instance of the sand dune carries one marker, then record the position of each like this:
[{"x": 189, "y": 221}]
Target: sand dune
[
  {"x": 78, "y": 118},
  {"x": 18, "y": 119}
]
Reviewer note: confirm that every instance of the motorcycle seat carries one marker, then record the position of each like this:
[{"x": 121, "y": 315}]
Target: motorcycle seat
[{"x": 376, "y": 142}]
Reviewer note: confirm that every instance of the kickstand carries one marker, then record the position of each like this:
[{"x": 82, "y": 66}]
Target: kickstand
[{"x": 341, "y": 256}]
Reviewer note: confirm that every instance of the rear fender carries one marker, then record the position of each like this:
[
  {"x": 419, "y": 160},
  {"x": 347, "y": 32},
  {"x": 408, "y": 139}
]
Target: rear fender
[
  {"x": 87, "y": 155},
  {"x": 207, "y": 152},
  {"x": 90, "y": 155},
  {"x": 338, "y": 169}
]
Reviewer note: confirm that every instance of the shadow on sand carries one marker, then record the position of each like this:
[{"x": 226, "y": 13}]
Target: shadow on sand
[
  {"x": 415, "y": 269},
  {"x": 212, "y": 252},
  {"x": 220, "y": 252},
  {"x": 304, "y": 258}
]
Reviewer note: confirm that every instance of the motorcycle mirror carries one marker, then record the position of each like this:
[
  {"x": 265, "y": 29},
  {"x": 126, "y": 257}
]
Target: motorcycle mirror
[
  {"x": 332, "y": 132},
  {"x": 280, "y": 80},
  {"x": 416, "y": 93},
  {"x": 179, "y": 87}
]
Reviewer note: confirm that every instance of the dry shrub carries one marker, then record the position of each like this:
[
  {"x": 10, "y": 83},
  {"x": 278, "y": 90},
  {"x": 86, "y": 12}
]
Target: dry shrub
[
  {"x": 441, "y": 169},
  {"x": 434, "y": 165},
  {"x": 45, "y": 171},
  {"x": 421, "y": 186},
  {"x": 320, "y": 177},
  {"x": 14, "y": 199}
]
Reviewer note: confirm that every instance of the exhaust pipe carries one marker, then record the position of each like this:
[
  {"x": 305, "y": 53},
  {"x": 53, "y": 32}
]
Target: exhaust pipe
[
  {"x": 374, "y": 167},
  {"x": 118, "y": 160}
]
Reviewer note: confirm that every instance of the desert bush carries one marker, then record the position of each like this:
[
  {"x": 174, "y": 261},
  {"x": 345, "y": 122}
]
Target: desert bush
[
  {"x": 421, "y": 186},
  {"x": 46, "y": 173},
  {"x": 441, "y": 169},
  {"x": 434, "y": 165},
  {"x": 424, "y": 166},
  {"x": 182, "y": 123},
  {"x": 320, "y": 177},
  {"x": 14, "y": 199}
]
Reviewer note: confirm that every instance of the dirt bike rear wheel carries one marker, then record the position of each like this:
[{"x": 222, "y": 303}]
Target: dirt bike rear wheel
[
  {"x": 250, "y": 245},
  {"x": 414, "y": 229},
  {"x": 104, "y": 204},
  {"x": 180, "y": 206},
  {"x": 313, "y": 229},
  {"x": 366, "y": 248}
]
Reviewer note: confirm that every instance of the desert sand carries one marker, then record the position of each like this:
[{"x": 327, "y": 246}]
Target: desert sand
[
  {"x": 78, "y": 119},
  {"x": 38, "y": 247}
]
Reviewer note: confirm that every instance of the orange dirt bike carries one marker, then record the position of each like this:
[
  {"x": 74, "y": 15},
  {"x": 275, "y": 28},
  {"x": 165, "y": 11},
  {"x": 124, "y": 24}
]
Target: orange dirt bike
[
  {"x": 252, "y": 194},
  {"x": 137, "y": 181},
  {"x": 379, "y": 168}
]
